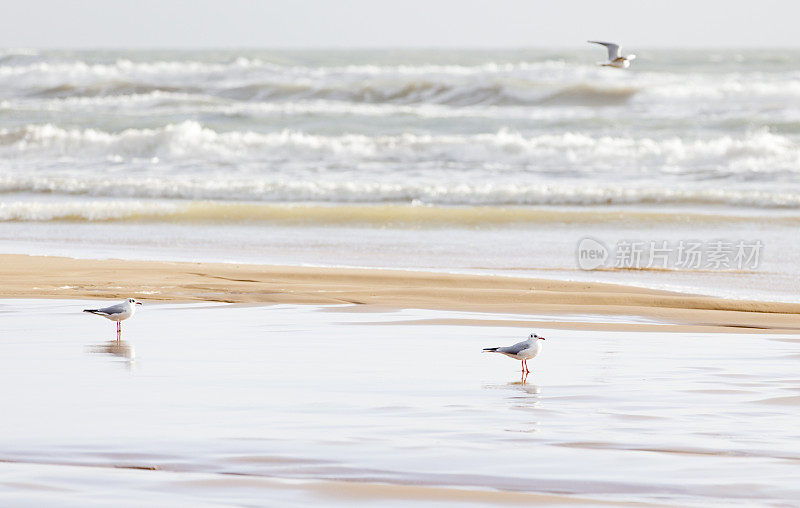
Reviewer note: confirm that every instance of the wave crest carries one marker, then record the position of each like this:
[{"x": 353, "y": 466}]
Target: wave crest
[
  {"x": 292, "y": 190},
  {"x": 573, "y": 153}
]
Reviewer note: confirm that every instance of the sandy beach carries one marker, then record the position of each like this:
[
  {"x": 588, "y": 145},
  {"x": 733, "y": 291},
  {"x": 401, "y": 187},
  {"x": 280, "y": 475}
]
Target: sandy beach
[{"x": 53, "y": 277}]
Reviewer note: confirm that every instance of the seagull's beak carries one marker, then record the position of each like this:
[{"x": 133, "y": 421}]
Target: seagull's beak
[
  {"x": 138, "y": 303},
  {"x": 541, "y": 338}
]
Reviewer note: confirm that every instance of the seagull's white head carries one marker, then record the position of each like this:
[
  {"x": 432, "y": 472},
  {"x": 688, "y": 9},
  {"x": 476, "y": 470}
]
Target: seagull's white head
[
  {"x": 133, "y": 301},
  {"x": 534, "y": 336}
]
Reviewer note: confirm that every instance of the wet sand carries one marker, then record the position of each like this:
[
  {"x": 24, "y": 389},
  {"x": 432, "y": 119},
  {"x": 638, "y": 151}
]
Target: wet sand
[
  {"x": 212, "y": 404},
  {"x": 41, "y": 276}
]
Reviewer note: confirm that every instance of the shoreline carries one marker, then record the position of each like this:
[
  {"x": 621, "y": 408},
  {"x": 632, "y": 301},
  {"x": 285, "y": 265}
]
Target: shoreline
[{"x": 24, "y": 276}]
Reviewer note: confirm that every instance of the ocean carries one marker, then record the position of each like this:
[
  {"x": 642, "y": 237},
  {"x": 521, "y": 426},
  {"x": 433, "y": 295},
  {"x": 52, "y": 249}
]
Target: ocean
[{"x": 459, "y": 160}]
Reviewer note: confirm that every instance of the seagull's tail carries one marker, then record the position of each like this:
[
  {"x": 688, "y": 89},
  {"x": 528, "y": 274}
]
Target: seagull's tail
[
  {"x": 92, "y": 311},
  {"x": 491, "y": 350}
]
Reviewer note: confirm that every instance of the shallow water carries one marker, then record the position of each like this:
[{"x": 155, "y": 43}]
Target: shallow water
[{"x": 230, "y": 405}]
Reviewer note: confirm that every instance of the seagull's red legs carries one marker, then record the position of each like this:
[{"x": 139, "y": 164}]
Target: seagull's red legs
[{"x": 119, "y": 330}]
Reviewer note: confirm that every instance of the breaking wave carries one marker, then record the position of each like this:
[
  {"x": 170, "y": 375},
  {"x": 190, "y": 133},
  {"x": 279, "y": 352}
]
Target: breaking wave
[
  {"x": 106, "y": 89},
  {"x": 758, "y": 152},
  {"x": 452, "y": 91},
  {"x": 290, "y": 190},
  {"x": 525, "y": 83},
  {"x": 487, "y": 92}
]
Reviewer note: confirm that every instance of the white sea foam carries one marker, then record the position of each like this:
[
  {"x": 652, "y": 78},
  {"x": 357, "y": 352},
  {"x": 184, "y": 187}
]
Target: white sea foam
[
  {"x": 81, "y": 211},
  {"x": 758, "y": 151},
  {"x": 126, "y": 67},
  {"x": 173, "y": 103},
  {"x": 267, "y": 189}
]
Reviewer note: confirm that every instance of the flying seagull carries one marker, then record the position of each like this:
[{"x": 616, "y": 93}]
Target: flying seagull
[
  {"x": 615, "y": 58},
  {"x": 521, "y": 350},
  {"x": 118, "y": 312}
]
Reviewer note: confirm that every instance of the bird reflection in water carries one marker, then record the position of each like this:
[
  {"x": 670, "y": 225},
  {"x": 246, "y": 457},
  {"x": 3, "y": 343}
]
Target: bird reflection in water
[
  {"x": 523, "y": 382},
  {"x": 521, "y": 385},
  {"x": 119, "y": 348}
]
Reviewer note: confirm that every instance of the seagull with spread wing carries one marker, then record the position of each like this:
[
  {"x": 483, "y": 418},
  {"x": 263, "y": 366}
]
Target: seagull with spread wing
[{"x": 615, "y": 58}]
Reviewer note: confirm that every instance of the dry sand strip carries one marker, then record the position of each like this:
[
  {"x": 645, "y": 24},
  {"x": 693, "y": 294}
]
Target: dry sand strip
[{"x": 56, "y": 277}]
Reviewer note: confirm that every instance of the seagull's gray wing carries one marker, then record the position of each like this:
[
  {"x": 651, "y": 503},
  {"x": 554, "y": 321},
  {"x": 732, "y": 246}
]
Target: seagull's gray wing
[
  {"x": 515, "y": 349},
  {"x": 613, "y": 49},
  {"x": 112, "y": 310}
]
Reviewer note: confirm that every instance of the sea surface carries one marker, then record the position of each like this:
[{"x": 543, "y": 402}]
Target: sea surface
[{"x": 497, "y": 161}]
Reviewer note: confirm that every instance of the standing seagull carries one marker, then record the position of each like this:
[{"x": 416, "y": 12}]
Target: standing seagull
[
  {"x": 615, "y": 58},
  {"x": 118, "y": 312},
  {"x": 521, "y": 350}
]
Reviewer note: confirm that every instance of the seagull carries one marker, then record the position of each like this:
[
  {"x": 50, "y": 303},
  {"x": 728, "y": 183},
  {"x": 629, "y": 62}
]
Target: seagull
[
  {"x": 118, "y": 312},
  {"x": 615, "y": 58},
  {"x": 521, "y": 350}
]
